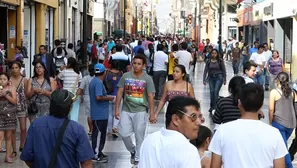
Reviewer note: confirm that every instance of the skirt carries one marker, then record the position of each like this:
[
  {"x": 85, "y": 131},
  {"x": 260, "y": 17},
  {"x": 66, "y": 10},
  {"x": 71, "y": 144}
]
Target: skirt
[{"x": 73, "y": 115}]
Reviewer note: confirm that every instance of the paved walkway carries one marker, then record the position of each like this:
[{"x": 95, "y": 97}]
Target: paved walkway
[{"x": 119, "y": 157}]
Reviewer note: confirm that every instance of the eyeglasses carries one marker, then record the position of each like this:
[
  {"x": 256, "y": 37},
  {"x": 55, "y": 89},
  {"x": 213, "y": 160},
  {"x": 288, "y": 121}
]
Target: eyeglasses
[{"x": 193, "y": 116}]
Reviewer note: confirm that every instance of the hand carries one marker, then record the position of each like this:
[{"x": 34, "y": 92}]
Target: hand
[
  {"x": 204, "y": 83},
  {"x": 110, "y": 98},
  {"x": 117, "y": 114},
  {"x": 81, "y": 99},
  {"x": 153, "y": 119}
]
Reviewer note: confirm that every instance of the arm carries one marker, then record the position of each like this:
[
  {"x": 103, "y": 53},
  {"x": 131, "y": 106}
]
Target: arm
[
  {"x": 53, "y": 88},
  {"x": 191, "y": 91},
  {"x": 118, "y": 102},
  {"x": 13, "y": 98},
  {"x": 30, "y": 91},
  {"x": 86, "y": 164},
  {"x": 205, "y": 163},
  {"x": 151, "y": 103},
  {"x": 216, "y": 161},
  {"x": 279, "y": 163},
  {"x": 162, "y": 101},
  {"x": 205, "y": 72},
  {"x": 271, "y": 105}
]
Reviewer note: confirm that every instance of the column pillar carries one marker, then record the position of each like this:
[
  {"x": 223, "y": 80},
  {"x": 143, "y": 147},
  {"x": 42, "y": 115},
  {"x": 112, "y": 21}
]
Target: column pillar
[
  {"x": 40, "y": 24},
  {"x": 294, "y": 49},
  {"x": 56, "y": 23},
  {"x": 20, "y": 24},
  {"x": 279, "y": 36}
]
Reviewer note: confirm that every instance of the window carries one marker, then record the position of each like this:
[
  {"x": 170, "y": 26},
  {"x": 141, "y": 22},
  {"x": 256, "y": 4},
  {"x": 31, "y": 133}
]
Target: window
[{"x": 231, "y": 8}]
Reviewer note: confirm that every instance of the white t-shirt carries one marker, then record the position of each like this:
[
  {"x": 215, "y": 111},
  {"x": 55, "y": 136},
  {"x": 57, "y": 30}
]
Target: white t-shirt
[
  {"x": 159, "y": 61},
  {"x": 69, "y": 78},
  {"x": 258, "y": 59},
  {"x": 184, "y": 58},
  {"x": 248, "y": 79},
  {"x": 168, "y": 149},
  {"x": 248, "y": 144},
  {"x": 268, "y": 55}
]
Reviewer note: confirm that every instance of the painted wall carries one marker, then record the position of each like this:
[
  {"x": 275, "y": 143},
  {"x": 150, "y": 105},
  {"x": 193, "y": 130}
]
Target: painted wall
[{"x": 51, "y": 3}]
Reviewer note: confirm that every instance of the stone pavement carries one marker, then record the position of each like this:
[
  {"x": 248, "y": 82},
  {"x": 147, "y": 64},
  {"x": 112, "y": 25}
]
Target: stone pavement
[{"x": 119, "y": 157}]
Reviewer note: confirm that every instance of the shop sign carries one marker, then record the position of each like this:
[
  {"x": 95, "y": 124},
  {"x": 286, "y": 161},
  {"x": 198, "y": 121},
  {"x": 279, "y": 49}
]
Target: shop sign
[
  {"x": 268, "y": 10},
  {"x": 11, "y": 7},
  {"x": 12, "y": 32}
]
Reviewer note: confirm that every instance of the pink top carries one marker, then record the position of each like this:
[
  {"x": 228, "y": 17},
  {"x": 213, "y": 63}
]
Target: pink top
[{"x": 172, "y": 93}]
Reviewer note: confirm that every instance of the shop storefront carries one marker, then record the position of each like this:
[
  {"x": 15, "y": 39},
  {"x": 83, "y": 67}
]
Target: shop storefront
[{"x": 258, "y": 32}]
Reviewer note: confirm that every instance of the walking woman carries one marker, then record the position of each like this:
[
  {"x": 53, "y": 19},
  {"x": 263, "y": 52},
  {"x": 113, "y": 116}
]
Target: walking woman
[
  {"x": 83, "y": 90},
  {"x": 113, "y": 75},
  {"x": 274, "y": 67},
  {"x": 20, "y": 84},
  {"x": 282, "y": 114},
  {"x": 227, "y": 107},
  {"x": 71, "y": 77},
  {"x": 39, "y": 90},
  {"x": 172, "y": 61},
  {"x": 8, "y": 122},
  {"x": 215, "y": 74},
  {"x": 176, "y": 87}
]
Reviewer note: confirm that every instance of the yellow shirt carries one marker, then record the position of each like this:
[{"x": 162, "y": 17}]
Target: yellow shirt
[{"x": 171, "y": 63}]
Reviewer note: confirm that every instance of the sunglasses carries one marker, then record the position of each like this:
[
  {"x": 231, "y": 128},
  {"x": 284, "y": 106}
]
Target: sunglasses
[{"x": 192, "y": 116}]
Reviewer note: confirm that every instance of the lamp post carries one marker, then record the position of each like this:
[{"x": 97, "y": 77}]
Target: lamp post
[{"x": 220, "y": 27}]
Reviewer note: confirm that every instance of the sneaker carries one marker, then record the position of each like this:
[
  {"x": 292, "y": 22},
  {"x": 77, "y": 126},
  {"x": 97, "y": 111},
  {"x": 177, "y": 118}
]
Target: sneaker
[
  {"x": 104, "y": 156},
  {"x": 115, "y": 133},
  {"x": 100, "y": 159},
  {"x": 135, "y": 165},
  {"x": 132, "y": 159}
]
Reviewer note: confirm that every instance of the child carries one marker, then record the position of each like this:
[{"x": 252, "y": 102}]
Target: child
[{"x": 202, "y": 142}]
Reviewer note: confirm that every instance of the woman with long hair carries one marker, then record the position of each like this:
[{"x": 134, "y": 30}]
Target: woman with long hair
[
  {"x": 244, "y": 55},
  {"x": 71, "y": 77},
  {"x": 215, "y": 74},
  {"x": 282, "y": 114},
  {"x": 274, "y": 67},
  {"x": 39, "y": 90},
  {"x": 227, "y": 107},
  {"x": 176, "y": 87},
  {"x": 172, "y": 61},
  {"x": 8, "y": 122},
  {"x": 20, "y": 84},
  {"x": 83, "y": 90}
]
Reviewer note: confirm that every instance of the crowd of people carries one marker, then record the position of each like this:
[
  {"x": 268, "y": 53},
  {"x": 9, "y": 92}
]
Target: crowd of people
[{"x": 125, "y": 79}]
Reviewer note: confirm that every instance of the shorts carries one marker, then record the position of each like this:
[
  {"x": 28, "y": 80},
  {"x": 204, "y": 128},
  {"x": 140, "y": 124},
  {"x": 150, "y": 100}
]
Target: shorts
[{"x": 87, "y": 105}]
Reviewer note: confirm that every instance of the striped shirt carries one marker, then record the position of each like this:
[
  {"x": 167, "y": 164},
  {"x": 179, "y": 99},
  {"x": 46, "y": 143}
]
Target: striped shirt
[
  {"x": 69, "y": 78},
  {"x": 226, "y": 111}
]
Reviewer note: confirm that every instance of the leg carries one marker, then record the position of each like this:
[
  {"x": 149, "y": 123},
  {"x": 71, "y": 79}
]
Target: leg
[
  {"x": 1, "y": 140},
  {"x": 285, "y": 132},
  {"x": 90, "y": 124},
  {"x": 156, "y": 77},
  {"x": 95, "y": 138},
  {"x": 126, "y": 130},
  {"x": 110, "y": 118},
  {"x": 266, "y": 79},
  {"x": 139, "y": 125},
  {"x": 116, "y": 121},
  {"x": 217, "y": 88},
  {"x": 23, "y": 128},
  {"x": 162, "y": 81},
  {"x": 211, "y": 90},
  {"x": 13, "y": 142},
  {"x": 293, "y": 147},
  {"x": 233, "y": 66},
  {"x": 237, "y": 63},
  {"x": 102, "y": 125},
  {"x": 8, "y": 140}
]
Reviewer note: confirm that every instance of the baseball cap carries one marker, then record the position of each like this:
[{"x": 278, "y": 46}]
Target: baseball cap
[
  {"x": 99, "y": 68},
  {"x": 62, "y": 97}
]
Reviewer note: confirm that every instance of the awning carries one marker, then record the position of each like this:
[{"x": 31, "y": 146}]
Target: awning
[{"x": 98, "y": 33}]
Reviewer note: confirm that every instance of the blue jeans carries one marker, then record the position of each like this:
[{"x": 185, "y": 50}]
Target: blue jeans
[
  {"x": 215, "y": 84},
  {"x": 243, "y": 61},
  {"x": 266, "y": 78},
  {"x": 286, "y": 133},
  {"x": 259, "y": 78},
  {"x": 235, "y": 65}
]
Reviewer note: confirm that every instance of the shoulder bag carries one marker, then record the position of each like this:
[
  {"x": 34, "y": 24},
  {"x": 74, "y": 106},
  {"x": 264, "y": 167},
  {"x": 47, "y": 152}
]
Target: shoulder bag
[
  {"x": 58, "y": 143},
  {"x": 108, "y": 84}
]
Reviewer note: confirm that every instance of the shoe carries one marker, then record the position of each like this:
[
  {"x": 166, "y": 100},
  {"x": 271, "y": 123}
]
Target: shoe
[
  {"x": 115, "y": 133},
  {"x": 20, "y": 149},
  {"x": 2, "y": 150},
  {"x": 266, "y": 88},
  {"x": 135, "y": 165},
  {"x": 132, "y": 159},
  {"x": 8, "y": 160},
  {"x": 103, "y": 156},
  {"x": 100, "y": 159},
  {"x": 14, "y": 154}
]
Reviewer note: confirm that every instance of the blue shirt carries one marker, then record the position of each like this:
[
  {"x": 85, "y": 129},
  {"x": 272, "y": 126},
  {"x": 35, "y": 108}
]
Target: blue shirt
[
  {"x": 253, "y": 50},
  {"x": 99, "y": 109},
  {"x": 42, "y": 137},
  {"x": 90, "y": 47},
  {"x": 135, "y": 49},
  {"x": 43, "y": 59},
  {"x": 110, "y": 45}
]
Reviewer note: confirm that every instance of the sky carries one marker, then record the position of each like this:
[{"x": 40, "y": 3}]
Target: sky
[{"x": 163, "y": 10}]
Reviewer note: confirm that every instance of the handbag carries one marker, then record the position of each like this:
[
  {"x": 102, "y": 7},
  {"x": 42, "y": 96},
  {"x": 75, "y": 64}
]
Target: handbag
[
  {"x": 108, "y": 84},
  {"x": 32, "y": 107},
  {"x": 58, "y": 143}
]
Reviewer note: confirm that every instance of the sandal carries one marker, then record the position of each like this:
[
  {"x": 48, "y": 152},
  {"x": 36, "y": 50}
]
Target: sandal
[
  {"x": 8, "y": 160},
  {"x": 2, "y": 150},
  {"x": 14, "y": 154}
]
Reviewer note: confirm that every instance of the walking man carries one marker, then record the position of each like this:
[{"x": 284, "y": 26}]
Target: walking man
[{"x": 137, "y": 89}]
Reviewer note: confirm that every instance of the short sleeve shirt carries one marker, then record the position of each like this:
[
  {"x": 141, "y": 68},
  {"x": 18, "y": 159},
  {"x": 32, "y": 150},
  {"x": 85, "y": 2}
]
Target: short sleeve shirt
[
  {"x": 136, "y": 91},
  {"x": 84, "y": 85},
  {"x": 69, "y": 78},
  {"x": 42, "y": 137},
  {"x": 99, "y": 109}
]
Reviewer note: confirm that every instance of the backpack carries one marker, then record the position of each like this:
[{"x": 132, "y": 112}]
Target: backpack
[{"x": 59, "y": 62}]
